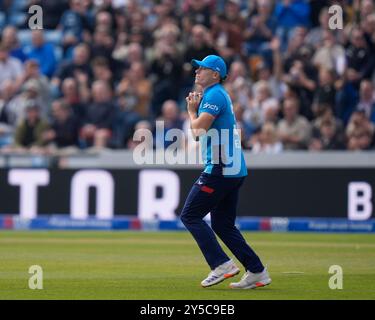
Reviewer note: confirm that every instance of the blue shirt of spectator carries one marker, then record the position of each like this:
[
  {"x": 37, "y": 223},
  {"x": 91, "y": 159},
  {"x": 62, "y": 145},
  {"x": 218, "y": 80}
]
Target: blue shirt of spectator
[
  {"x": 45, "y": 55},
  {"x": 295, "y": 13},
  {"x": 19, "y": 54}
]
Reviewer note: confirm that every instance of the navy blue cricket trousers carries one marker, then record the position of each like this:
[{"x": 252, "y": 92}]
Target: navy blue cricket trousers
[{"x": 219, "y": 196}]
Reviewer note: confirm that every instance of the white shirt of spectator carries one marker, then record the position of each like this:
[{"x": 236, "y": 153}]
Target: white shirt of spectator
[{"x": 11, "y": 69}]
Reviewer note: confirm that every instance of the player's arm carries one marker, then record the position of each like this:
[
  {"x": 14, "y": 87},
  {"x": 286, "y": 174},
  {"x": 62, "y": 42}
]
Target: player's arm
[{"x": 199, "y": 124}]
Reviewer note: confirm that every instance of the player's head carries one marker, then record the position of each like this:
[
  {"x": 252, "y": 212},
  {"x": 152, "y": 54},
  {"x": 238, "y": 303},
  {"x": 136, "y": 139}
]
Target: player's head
[{"x": 210, "y": 70}]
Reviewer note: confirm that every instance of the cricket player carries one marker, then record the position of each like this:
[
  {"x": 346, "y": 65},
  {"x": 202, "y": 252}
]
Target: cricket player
[{"x": 216, "y": 190}]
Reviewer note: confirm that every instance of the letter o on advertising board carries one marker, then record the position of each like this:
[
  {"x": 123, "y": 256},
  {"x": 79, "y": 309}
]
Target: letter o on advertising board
[{"x": 103, "y": 182}]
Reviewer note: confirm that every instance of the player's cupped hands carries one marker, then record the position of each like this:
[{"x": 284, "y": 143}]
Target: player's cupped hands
[{"x": 193, "y": 100}]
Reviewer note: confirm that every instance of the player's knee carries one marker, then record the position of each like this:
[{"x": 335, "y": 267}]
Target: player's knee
[
  {"x": 187, "y": 218},
  {"x": 184, "y": 218}
]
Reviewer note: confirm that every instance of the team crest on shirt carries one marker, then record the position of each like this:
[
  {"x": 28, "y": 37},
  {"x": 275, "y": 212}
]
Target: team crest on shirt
[{"x": 210, "y": 106}]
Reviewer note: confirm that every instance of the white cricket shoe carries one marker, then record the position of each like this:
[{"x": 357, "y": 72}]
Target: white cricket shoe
[
  {"x": 220, "y": 273},
  {"x": 252, "y": 280}
]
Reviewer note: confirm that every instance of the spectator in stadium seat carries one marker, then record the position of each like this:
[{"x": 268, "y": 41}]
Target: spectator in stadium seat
[
  {"x": 10, "y": 68},
  {"x": 293, "y": 130},
  {"x": 243, "y": 127},
  {"x": 368, "y": 27},
  {"x": 78, "y": 68},
  {"x": 196, "y": 12},
  {"x": 237, "y": 23},
  {"x": 367, "y": 7},
  {"x": 260, "y": 30},
  {"x": 360, "y": 139},
  {"x": 109, "y": 6},
  {"x": 359, "y": 132},
  {"x": 199, "y": 46},
  {"x": 166, "y": 68},
  {"x": 169, "y": 33},
  {"x": 330, "y": 55},
  {"x": 228, "y": 37},
  {"x": 127, "y": 54},
  {"x": 73, "y": 24},
  {"x": 360, "y": 58},
  {"x": 255, "y": 113},
  {"x": 143, "y": 129},
  {"x": 315, "y": 36},
  {"x": 161, "y": 12},
  {"x": 170, "y": 119},
  {"x": 64, "y": 127},
  {"x": 271, "y": 111},
  {"x": 298, "y": 51},
  {"x": 367, "y": 99},
  {"x": 42, "y": 52},
  {"x": 6, "y": 127},
  {"x": 138, "y": 31},
  {"x": 32, "y": 72},
  {"x": 301, "y": 79},
  {"x": 10, "y": 39},
  {"x": 263, "y": 72},
  {"x": 29, "y": 132},
  {"x": 326, "y": 137},
  {"x": 294, "y": 45},
  {"x": 290, "y": 14},
  {"x": 133, "y": 95},
  {"x": 76, "y": 95},
  {"x": 238, "y": 83},
  {"x": 33, "y": 90},
  {"x": 325, "y": 92},
  {"x": 102, "y": 47},
  {"x": 237, "y": 70},
  {"x": 105, "y": 21},
  {"x": 266, "y": 141},
  {"x": 135, "y": 84},
  {"x": 103, "y": 43},
  {"x": 272, "y": 73},
  {"x": 101, "y": 69},
  {"x": 97, "y": 128},
  {"x": 122, "y": 27},
  {"x": 347, "y": 97},
  {"x": 325, "y": 112}
]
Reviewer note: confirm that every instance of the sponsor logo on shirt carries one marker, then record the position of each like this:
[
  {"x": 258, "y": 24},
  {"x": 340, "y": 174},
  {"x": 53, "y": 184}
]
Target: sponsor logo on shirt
[{"x": 210, "y": 106}]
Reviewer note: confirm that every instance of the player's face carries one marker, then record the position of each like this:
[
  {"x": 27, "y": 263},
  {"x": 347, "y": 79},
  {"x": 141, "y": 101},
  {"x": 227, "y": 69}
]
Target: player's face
[{"x": 205, "y": 77}]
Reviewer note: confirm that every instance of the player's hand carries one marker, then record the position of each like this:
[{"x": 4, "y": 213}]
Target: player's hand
[{"x": 193, "y": 100}]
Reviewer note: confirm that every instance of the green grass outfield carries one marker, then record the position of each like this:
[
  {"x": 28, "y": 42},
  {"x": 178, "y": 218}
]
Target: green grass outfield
[{"x": 168, "y": 265}]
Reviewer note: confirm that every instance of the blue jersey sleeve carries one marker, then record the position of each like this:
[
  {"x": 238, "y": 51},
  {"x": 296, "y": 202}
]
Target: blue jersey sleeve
[{"x": 213, "y": 103}]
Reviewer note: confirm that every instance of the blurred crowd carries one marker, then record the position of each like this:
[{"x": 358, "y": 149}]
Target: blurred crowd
[{"x": 101, "y": 69}]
